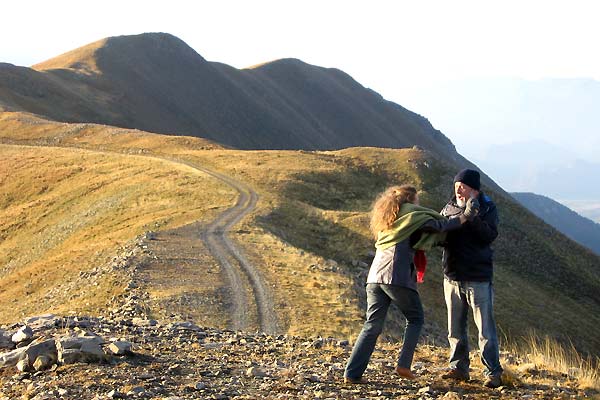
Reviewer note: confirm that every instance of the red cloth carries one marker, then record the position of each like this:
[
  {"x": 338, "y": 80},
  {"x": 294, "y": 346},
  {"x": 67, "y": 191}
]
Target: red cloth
[{"x": 420, "y": 261}]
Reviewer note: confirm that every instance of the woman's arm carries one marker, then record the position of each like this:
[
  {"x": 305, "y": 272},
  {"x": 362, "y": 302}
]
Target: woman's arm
[{"x": 436, "y": 226}]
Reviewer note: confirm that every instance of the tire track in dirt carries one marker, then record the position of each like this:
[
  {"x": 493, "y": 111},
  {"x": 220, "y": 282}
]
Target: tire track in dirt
[{"x": 232, "y": 258}]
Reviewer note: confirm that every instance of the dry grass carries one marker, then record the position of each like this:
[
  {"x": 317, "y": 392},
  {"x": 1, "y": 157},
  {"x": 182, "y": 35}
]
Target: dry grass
[
  {"x": 64, "y": 211},
  {"x": 545, "y": 352},
  {"x": 314, "y": 207}
]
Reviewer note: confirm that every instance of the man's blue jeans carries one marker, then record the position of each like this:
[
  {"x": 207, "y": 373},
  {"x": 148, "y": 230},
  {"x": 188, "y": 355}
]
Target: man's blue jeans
[
  {"x": 379, "y": 298},
  {"x": 479, "y": 296}
]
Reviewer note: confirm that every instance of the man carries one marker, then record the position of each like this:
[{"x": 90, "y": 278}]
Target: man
[{"x": 468, "y": 272}]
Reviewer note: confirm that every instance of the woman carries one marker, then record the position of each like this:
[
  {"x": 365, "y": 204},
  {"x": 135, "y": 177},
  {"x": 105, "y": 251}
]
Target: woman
[{"x": 403, "y": 230}]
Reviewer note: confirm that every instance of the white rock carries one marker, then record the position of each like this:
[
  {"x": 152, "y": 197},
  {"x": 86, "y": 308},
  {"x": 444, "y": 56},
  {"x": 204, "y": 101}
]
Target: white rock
[
  {"x": 23, "y": 365},
  {"x": 120, "y": 348},
  {"x": 424, "y": 390},
  {"x": 23, "y": 334}
]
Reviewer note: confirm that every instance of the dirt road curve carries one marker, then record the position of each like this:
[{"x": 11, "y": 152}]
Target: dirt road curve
[{"x": 232, "y": 258}]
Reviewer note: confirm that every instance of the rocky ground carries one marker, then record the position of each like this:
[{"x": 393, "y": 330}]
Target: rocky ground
[
  {"x": 127, "y": 354},
  {"x": 180, "y": 360}
]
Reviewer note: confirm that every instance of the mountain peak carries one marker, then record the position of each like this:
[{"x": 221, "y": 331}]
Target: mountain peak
[{"x": 144, "y": 46}]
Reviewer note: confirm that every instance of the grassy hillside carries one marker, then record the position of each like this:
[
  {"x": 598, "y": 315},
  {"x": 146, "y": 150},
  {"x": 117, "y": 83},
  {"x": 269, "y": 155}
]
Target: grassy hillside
[
  {"x": 309, "y": 234},
  {"x": 65, "y": 212}
]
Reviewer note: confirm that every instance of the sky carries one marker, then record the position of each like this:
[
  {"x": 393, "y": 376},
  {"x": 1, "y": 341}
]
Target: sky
[
  {"x": 397, "y": 48},
  {"x": 386, "y": 45}
]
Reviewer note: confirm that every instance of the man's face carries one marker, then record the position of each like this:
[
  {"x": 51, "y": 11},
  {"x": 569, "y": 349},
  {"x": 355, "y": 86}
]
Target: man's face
[{"x": 463, "y": 193}]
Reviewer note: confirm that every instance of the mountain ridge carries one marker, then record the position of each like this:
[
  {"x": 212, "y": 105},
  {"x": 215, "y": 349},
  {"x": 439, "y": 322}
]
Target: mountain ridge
[{"x": 157, "y": 83}]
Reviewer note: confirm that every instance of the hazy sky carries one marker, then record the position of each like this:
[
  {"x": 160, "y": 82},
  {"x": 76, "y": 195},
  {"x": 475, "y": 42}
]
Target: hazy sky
[
  {"x": 394, "y": 47},
  {"x": 381, "y": 43}
]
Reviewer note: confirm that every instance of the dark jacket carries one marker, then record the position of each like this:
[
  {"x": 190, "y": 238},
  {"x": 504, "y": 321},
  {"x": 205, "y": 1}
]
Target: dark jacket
[
  {"x": 468, "y": 255},
  {"x": 394, "y": 265}
]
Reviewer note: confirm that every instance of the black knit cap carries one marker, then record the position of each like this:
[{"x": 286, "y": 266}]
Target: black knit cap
[{"x": 469, "y": 177}]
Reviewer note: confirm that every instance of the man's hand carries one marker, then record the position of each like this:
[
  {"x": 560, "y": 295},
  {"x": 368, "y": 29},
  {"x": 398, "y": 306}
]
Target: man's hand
[{"x": 472, "y": 209}]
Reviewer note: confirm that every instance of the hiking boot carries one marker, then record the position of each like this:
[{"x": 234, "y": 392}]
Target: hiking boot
[
  {"x": 406, "y": 373},
  {"x": 456, "y": 375},
  {"x": 493, "y": 381},
  {"x": 354, "y": 381}
]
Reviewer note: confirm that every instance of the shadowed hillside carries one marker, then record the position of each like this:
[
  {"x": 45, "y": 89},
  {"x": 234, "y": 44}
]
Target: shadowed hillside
[{"x": 155, "y": 82}]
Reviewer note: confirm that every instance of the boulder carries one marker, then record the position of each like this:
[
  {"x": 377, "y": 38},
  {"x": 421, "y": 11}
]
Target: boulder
[
  {"x": 44, "y": 321},
  {"x": 25, "y": 357},
  {"x": 120, "y": 348},
  {"x": 85, "y": 349}
]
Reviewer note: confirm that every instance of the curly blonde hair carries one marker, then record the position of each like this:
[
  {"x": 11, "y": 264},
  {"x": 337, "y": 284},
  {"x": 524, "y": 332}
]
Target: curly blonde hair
[{"x": 387, "y": 204}]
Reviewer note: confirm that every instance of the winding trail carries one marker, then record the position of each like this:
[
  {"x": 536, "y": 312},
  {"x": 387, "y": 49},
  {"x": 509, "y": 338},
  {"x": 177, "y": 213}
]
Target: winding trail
[
  {"x": 232, "y": 258},
  {"x": 238, "y": 269}
]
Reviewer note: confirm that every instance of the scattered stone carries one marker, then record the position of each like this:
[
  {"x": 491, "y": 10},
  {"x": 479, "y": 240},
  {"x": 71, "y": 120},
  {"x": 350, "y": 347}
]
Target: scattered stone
[
  {"x": 185, "y": 326},
  {"x": 23, "y": 365},
  {"x": 5, "y": 340},
  {"x": 115, "y": 394},
  {"x": 24, "y": 334},
  {"x": 173, "y": 363},
  {"x": 80, "y": 349},
  {"x": 136, "y": 391},
  {"x": 144, "y": 322},
  {"x": 199, "y": 386},
  {"x": 43, "y": 362},
  {"x": 256, "y": 372},
  {"x": 44, "y": 321},
  {"x": 424, "y": 390},
  {"x": 120, "y": 348},
  {"x": 452, "y": 396}
]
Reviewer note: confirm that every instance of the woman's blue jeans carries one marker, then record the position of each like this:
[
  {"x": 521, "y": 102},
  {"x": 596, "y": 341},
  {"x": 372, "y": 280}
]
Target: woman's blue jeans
[{"x": 379, "y": 298}]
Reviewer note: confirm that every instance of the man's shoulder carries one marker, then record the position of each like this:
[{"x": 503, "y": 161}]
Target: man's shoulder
[
  {"x": 487, "y": 200},
  {"x": 487, "y": 205}
]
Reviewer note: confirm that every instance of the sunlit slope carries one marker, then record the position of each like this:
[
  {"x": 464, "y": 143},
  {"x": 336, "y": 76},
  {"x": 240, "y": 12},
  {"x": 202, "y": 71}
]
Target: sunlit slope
[
  {"x": 320, "y": 202},
  {"x": 309, "y": 236},
  {"x": 66, "y": 211},
  {"x": 17, "y": 127}
]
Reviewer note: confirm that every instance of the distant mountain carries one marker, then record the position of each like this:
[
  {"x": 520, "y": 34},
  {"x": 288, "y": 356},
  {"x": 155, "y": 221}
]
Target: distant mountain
[
  {"x": 538, "y": 136},
  {"x": 540, "y": 167},
  {"x": 588, "y": 208},
  {"x": 573, "y": 225},
  {"x": 156, "y": 82}
]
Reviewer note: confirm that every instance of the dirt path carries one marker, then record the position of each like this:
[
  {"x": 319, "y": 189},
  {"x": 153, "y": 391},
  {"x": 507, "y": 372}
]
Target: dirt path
[
  {"x": 233, "y": 260},
  {"x": 250, "y": 301}
]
